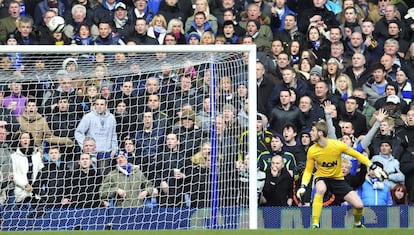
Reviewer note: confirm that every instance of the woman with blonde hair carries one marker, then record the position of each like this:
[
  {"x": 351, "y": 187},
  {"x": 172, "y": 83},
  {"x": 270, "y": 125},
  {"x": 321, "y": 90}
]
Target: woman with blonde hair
[
  {"x": 175, "y": 26},
  {"x": 343, "y": 87},
  {"x": 157, "y": 28},
  {"x": 207, "y": 38}
]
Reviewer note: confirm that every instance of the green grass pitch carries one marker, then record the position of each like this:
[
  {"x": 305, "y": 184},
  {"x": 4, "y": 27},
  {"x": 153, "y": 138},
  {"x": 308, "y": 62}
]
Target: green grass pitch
[{"x": 375, "y": 231}]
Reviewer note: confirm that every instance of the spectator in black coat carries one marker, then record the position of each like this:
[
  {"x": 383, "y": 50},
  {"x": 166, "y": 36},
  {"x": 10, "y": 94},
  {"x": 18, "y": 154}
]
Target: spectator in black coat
[
  {"x": 104, "y": 11},
  {"x": 82, "y": 185},
  {"x": 51, "y": 183},
  {"x": 140, "y": 36},
  {"x": 351, "y": 114},
  {"x": 284, "y": 113},
  {"x": 319, "y": 15},
  {"x": 265, "y": 86},
  {"x": 278, "y": 187}
]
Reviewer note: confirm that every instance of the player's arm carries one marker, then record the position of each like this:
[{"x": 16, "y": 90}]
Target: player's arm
[
  {"x": 307, "y": 174},
  {"x": 359, "y": 156},
  {"x": 364, "y": 160}
]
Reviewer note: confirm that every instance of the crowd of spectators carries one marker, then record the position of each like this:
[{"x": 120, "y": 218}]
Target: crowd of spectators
[{"x": 83, "y": 135}]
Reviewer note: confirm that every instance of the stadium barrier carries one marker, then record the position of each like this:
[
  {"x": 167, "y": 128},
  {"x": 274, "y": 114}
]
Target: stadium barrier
[{"x": 228, "y": 218}]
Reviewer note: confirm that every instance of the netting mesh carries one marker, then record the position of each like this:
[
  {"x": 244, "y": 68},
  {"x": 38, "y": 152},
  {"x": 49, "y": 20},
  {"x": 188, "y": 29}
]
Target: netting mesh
[{"x": 124, "y": 140}]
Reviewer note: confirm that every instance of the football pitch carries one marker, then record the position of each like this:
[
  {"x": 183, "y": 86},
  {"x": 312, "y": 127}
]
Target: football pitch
[{"x": 376, "y": 231}]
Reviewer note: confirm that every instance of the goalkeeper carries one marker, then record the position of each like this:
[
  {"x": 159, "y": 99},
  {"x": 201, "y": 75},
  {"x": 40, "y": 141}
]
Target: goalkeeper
[{"x": 326, "y": 153}]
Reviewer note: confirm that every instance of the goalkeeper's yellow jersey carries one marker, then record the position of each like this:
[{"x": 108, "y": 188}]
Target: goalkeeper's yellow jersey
[{"x": 328, "y": 160}]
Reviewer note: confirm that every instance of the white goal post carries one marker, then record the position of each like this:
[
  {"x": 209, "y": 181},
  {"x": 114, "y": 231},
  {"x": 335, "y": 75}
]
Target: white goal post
[{"x": 208, "y": 53}]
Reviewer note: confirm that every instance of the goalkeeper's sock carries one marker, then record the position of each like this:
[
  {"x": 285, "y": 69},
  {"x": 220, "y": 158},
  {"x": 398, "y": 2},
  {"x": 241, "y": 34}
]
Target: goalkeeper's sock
[
  {"x": 358, "y": 215},
  {"x": 317, "y": 208}
]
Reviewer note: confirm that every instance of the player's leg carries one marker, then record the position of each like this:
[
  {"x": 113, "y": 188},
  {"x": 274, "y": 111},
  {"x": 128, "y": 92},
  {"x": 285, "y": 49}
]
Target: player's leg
[
  {"x": 320, "y": 190},
  {"x": 353, "y": 198}
]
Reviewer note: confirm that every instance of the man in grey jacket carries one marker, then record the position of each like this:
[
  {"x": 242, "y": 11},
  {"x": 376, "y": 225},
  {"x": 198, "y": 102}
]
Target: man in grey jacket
[
  {"x": 100, "y": 124},
  {"x": 6, "y": 166}
]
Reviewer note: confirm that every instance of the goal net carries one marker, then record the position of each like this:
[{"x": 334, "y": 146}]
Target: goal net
[{"x": 128, "y": 137}]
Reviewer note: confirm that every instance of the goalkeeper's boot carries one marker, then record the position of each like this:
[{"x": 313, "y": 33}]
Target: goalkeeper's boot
[
  {"x": 359, "y": 226},
  {"x": 315, "y": 226}
]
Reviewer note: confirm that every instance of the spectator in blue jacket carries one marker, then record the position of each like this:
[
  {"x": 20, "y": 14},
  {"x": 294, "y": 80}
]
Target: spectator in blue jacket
[{"x": 374, "y": 192}]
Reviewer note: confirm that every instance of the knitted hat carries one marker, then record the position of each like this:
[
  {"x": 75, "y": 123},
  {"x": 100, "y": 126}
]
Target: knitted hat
[
  {"x": 256, "y": 22},
  {"x": 188, "y": 115},
  {"x": 316, "y": 70},
  {"x": 193, "y": 35},
  {"x": 333, "y": 60},
  {"x": 122, "y": 153}
]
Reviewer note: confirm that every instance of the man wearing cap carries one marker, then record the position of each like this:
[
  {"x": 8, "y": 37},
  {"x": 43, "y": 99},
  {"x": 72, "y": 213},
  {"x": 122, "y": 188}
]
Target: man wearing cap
[
  {"x": 391, "y": 165},
  {"x": 315, "y": 75},
  {"x": 375, "y": 86},
  {"x": 229, "y": 33},
  {"x": 126, "y": 184},
  {"x": 391, "y": 89},
  {"x": 393, "y": 109},
  {"x": 189, "y": 134},
  {"x": 122, "y": 24},
  {"x": 259, "y": 34}
]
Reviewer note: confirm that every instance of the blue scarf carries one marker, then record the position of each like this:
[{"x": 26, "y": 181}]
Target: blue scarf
[
  {"x": 126, "y": 170},
  {"x": 316, "y": 45}
]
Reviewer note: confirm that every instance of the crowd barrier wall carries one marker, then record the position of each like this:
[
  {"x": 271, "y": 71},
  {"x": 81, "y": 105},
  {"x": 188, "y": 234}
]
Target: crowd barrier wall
[{"x": 228, "y": 218}]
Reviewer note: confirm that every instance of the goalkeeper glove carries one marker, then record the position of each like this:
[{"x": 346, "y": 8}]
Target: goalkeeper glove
[
  {"x": 378, "y": 171},
  {"x": 301, "y": 191}
]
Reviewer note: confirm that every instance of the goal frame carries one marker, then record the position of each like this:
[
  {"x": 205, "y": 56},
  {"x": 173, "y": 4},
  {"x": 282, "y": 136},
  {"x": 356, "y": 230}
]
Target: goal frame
[{"x": 252, "y": 93}]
